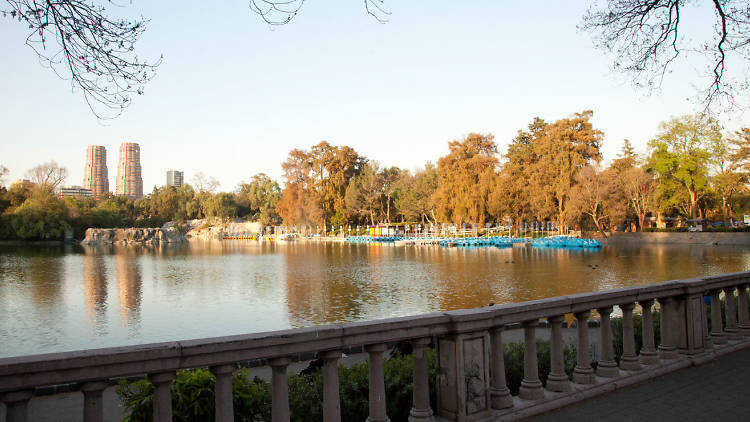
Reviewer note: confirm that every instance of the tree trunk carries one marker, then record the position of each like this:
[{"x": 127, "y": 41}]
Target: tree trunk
[
  {"x": 693, "y": 203},
  {"x": 641, "y": 220}
]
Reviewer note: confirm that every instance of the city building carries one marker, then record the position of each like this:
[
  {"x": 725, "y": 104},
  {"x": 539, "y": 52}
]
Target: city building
[
  {"x": 129, "y": 181},
  {"x": 95, "y": 175},
  {"x": 23, "y": 183},
  {"x": 75, "y": 191},
  {"x": 175, "y": 178}
]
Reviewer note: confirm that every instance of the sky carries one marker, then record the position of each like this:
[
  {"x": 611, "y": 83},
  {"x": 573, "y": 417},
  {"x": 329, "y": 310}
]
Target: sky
[{"x": 233, "y": 96}]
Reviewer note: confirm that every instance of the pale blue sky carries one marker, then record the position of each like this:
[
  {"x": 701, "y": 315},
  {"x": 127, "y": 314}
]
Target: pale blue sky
[{"x": 232, "y": 96}]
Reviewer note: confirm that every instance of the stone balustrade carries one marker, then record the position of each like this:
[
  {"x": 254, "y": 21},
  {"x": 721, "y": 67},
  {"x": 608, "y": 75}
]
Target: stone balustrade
[{"x": 471, "y": 383}]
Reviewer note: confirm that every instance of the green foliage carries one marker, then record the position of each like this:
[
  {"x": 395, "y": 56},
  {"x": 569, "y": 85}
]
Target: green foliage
[
  {"x": 514, "y": 353},
  {"x": 42, "y": 217},
  {"x": 257, "y": 199}
]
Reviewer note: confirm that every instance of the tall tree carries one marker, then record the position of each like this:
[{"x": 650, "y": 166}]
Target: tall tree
[
  {"x": 465, "y": 178},
  {"x": 415, "y": 191},
  {"x": 48, "y": 176},
  {"x": 592, "y": 197},
  {"x": 204, "y": 183},
  {"x": 3, "y": 174},
  {"x": 639, "y": 187},
  {"x": 364, "y": 195},
  {"x": 260, "y": 197},
  {"x": 646, "y": 37},
  {"x": 680, "y": 155}
]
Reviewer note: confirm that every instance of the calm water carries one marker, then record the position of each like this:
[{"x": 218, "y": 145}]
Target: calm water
[{"x": 66, "y": 298}]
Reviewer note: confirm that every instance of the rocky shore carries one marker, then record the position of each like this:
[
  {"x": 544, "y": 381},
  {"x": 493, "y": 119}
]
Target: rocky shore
[{"x": 172, "y": 233}]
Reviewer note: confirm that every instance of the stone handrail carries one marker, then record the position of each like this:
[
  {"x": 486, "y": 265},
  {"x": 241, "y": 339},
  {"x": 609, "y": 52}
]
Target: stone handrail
[{"x": 471, "y": 384}]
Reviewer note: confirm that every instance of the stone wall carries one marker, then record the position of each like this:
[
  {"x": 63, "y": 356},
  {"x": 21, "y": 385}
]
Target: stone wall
[
  {"x": 683, "y": 238},
  {"x": 132, "y": 235}
]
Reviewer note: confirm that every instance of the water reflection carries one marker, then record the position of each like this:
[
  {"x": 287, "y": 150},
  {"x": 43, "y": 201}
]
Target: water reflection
[
  {"x": 95, "y": 288},
  {"x": 129, "y": 284}
]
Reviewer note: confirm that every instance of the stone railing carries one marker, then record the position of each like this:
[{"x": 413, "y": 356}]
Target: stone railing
[{"x": 471, "y": 382}]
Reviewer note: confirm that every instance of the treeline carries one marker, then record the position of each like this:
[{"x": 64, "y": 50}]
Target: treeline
[{"x": 550, "y": 172}]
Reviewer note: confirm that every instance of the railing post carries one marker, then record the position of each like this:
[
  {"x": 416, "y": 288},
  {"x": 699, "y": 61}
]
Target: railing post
[
  {"x": 717, "y": 333},
  {"x": 648, "y": 351},
  {"x": 331, "y": 400},
  {"x": 279, "y": 389},
  {"x": 15, "y": 404},
  {"x": 667, "y": 347},
  {"x": 162, "y": 395},
  {"x": 733, "y": 333},
  {"x": 531, "y": 386},
  {"x": 499, "y": 392},
  {"x": 607, "y": 366},
  {"x": 420, "y": 410},
  {"x": 583, "y": 372},
  {"x": 557, "y": 380},
  {"x": 744, "y": 322},
  {"x": 377, "y": 383},
  {"x": 629, "y": 360},
  {"x": 224, "y": 406},
  {"x": 93, "y": 410}
]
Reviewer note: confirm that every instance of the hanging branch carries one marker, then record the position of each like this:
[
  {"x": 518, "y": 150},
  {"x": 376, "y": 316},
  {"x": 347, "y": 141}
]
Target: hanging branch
[
  {"x": 281, "y": 12},
  {"x": 79, "y": 42}
]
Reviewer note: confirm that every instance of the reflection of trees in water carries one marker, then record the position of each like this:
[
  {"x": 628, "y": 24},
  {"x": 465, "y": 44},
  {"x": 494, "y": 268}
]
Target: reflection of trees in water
[
  {"x": 129, "y": 286},
  {"x": 95, "y": 288},
  {"x": 44, "y": 275}
]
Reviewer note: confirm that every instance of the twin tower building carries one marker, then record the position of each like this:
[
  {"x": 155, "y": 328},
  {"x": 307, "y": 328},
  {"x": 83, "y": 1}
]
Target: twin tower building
[{"x": 129, "y": 182}]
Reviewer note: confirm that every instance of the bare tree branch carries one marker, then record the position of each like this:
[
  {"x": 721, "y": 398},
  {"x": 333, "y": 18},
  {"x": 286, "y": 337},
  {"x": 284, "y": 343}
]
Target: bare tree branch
[
  {"x": 281, "y": 12},
  {"x": 95, "y": 52}
]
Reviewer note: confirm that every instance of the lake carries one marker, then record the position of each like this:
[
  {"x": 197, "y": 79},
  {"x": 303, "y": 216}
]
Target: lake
[{"x": 61, "y": 298}]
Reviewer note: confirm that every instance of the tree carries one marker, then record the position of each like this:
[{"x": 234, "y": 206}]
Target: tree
[
  {"x": 389, "y": 177},
  {"x": 638, "y": 186},
  {"x": 465, "y": 178},
  {"x": 79, "y": 41},
  {"x": 48, "y": 176},
  {"x": 281, "y": 12},
  {"x": 647, "y": 36},
  {"x": 592, "y": 196},
  {"x": 41, "y": 217},
  {"x": 222, "y": 205},
  {"x": 364, "y": 195},
  {"x": 729, "y": 159},
  {"x": 259, "y": 198},
  {"x": 3, "y": 174},
  {"x": 204, "y": 183},
  {"x": 680, "y": 155},
  {"x": 413, "y": 200}
]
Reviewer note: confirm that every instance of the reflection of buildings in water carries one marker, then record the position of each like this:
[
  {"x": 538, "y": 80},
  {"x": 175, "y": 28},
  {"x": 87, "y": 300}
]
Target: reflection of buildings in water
[
  {"x": 95, "y": 289},
  {"x": 129, "y": 287}
]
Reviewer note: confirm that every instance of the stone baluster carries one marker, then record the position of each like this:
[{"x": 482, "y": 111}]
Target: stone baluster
[
  {"x": 420, "y": 410},
  {"x": 733, "y": 333},
  {"x": 93, "y": 410},
  {"x": 499, "y": 392},
  {"x": 331, "y": 400},
  {"x": 162, "y": 395},
  {"x": 667, "y": 347},
  {"x": 279, "y": 389},
  {"x": 16, "y": 403},
  {"x": 531, "y": 387},
  {"x": 629, "y": 360},
  {"x": 607, "y": 366},
  {"x": 223, "y": 397},
  {"x": 583, "y": 372},
  {"x": 648, "y": 350},
  {"x": 717, "y": 334},
  {"x": 708, "y": 343},
  {"x": 377, "y": 383},
  {"x": 557, "y": 380},
  {"x": 744, "y": 322}
]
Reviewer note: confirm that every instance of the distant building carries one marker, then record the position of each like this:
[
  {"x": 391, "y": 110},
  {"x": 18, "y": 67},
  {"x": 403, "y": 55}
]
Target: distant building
[
  {"x": 75, "y": 191},
  {"x": 24, "y": 183},
  {"x": 129, "y": 181},
  {"x": 95, "y": 175},
  {"x": 175, "y": 178}
]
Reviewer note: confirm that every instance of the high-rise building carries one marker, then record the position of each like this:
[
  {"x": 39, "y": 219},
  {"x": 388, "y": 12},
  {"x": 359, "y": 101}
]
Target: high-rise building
[
  {"x": 75, "y": 191},
  {"x": 175, "y": 178},
  {"x": 95, "y": 175},
  {"x": 129, "y": 181}
]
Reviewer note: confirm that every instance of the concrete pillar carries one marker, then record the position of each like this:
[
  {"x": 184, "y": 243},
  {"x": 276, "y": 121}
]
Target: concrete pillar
[
  {"x": 708, "y": 343},
  {"x": 733, "y": 333},
  {"x": 742, "y": 311},
  {"x": 377, "y": 383},
  {"x": 648, "y": 351},
  {"x": 93, "y": 410},
  {"x": 162, "y": 395},
  {"x": 557, "y": 380},
  {"x": 583, "y": 372},
  {"x": 717, "y": 333},
  {"x": 667, "y": 348},
  {"x": 499, "y": 392},
  {"x": 279, "y": 389},
  {"x": 531, "y": 386},
  {"x": 420, "y": 410},
  {"x": 607, "y": 366},
  {"x": 223, "y": 398},
  {"x": 629, "y": 360},
  {"x": 15, "y": 404},
  {"x": 331, "y": 400}
]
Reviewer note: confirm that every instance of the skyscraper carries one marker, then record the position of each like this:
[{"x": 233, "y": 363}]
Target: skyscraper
[
  {"x": 95, "y": 176},
  {"x": 175, "y": 178},
  {"x": 129, "y": 181}
]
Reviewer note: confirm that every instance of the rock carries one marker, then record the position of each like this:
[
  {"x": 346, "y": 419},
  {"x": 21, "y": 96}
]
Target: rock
[{"x": 132, "y": 235}]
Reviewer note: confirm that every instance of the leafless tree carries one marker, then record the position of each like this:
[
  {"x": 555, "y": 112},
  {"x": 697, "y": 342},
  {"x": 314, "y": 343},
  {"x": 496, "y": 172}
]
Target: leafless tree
[
  {"x": 647, "y": 36},
  {"x": 48, "y": 176},
  {"x": 79, "y": 41},
  {"x": 3, "y": 174},
  {"x": 281, "y": 12},
  {"x": 204, "y": 183}
]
